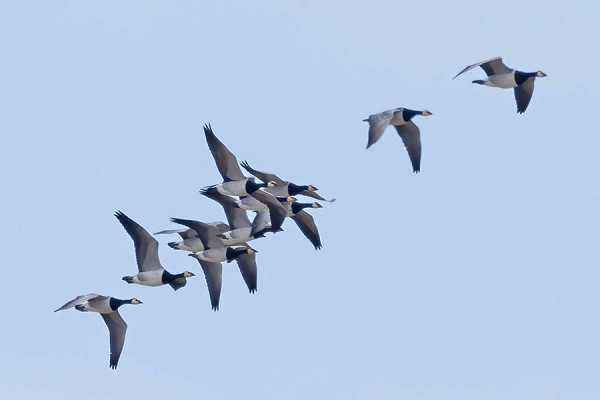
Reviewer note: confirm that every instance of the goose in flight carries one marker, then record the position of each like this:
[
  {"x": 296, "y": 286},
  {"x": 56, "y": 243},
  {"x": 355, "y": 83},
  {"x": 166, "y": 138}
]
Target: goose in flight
[
  {"x": 214, "y": 253},
  {"x": 276, "y": 210},
  {"x": 234, "y": 181},
  {"x": 108, "y": 307},
  {"x": 283, "y": 188},
  {"x": 151, "y": 273},
  {"x": 499, "y": 75},
  {"x": 400, "y": 118},
  {"x": 191, "y": 242},
  {"x": 241, "y": 228}
]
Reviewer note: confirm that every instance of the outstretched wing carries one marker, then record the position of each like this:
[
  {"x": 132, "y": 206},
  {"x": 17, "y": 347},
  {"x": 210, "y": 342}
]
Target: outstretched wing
[
  {"x": 237, "y": 217},
  {"x": 117, "y": 328},
  {"x": 307, "y": 225},
  {"x": 263, "y": 176},
  {"x": 213, "y": 273},
  {"x": 206, "y": 232},
  {"x": 277, "y": 211},
  {"x": 378, "y": 124},
  {"x": 523, "y": 94},
  {"x": 411, "y": 136},
  {"x": 146, "y": 247},
  {"x": 493, "y": 66},
  {"x": 77, "y": 300},
  {"x": 226, "y": 162},
  {"x": 247, "y": 265}
]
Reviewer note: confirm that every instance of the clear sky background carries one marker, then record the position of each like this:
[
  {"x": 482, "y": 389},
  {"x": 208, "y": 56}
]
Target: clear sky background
[{"x": 476, "y": 279}]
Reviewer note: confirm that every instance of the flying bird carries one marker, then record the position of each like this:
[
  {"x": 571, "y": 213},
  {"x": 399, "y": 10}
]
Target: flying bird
[
  {"x": 400, "y": 118},
  {"x": 151, "y": 273},
  {"x": 108, "y": 307},
  {"x": 283, "y": 188},
  {"x": 499, "y": 75},
  {"x": 234, "y": 181},
  {"x": 214, "y": 253}
]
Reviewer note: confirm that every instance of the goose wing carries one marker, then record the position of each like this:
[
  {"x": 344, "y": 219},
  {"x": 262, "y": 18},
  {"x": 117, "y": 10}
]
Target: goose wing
[
  {"x": 184, "y": 233},
  {"x": 493, "y": 66},
  {"x": 315, "y": 195},
  {"x": 277, "y": 211},
  {"x": 117, "y": 329},
  {"x": 213, "y": 273},
  {"x": 226, "y": 162},
  {"x": 411, "y": 136},
  {"x": 263, "y": 176},
  {"x": 523, "y": 94},
  {"x": 378, "y": 124},
  {"x": 78, "y": 300},
  {"x": 206, "y": 232},
  {"x": 247, "y": 265},
  {"x": 178, "y": 283},
  {"x": 307, "y": 225},
  {"x": 261, "y": 221},
  {"x": 146, "y": 247},
  {"x": 236, "y": 217}
]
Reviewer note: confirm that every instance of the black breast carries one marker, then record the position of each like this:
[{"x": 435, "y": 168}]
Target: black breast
[
  {"x": 115, "y": 303},
  {"x": 521, "y": 76},
  {"x": 167, "y": 277},
  {"x": 408, "y": 114}
]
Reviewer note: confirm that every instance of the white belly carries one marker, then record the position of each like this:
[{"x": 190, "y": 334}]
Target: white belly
[
  {"x": 504, "y": 81},
  {"x": 192, "y": 244},
  {"x": 213, "y": 255},
  {"x": 233, "y": 188},
  {"x": 149, "y": 278}
]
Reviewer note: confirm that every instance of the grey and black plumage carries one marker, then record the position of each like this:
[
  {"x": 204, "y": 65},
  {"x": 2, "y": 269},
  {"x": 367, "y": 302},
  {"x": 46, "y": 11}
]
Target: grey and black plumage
[
  {"x": 241, "y": 228},
  {"x": 191, "y": 242},
  {"x": 215, "y": 252},
  {"x": 108, "y": 308},
  {"x": 305, "y": 221},
  {"x": 151, "y": 272},
  {"x": 234, "y": 181},
  {"x": 276, "y": 209},
  {"x": 283, "y": 188},
  {"x": 499, "y": 75},
  {"x": 401, "y": 119}
]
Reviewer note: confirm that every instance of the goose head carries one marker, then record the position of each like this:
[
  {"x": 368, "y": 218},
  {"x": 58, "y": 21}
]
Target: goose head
[
  {"x": 316, "y": 205},
  {"x": 250, "y": 250},
  {"x": 426, "y": 113},
  {"x": 291, "y": 199},
  {"x": 271, "y": 184},
  {"x": 540, "y": 74},
  {"x": 188, "y": 274},
  {"x": 311, "y": 188},
  {"x": 135, "y": 301}
]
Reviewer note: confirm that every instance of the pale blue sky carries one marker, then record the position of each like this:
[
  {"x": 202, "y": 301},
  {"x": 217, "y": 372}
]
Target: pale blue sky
[{"x": 476, "y": 279}]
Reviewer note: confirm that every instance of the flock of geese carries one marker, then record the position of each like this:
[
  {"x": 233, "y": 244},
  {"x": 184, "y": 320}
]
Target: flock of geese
[{"x": 273, "y": 200}]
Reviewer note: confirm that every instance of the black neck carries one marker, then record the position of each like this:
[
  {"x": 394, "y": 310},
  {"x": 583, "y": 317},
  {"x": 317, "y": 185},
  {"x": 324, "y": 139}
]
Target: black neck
[
  {"x": 408, "y": 114},
  {"x": 116, "y": 303},
  {"x": 521, "y": 76},
  {"x": 262, "y": 232},
  {"x": 294, "y": 189},
  {"x": 232, "y": 253},
  {"x": 253, "y": 186},
  {"x": 168, "y": 277},
  {"x": 297, "y": 207}
]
